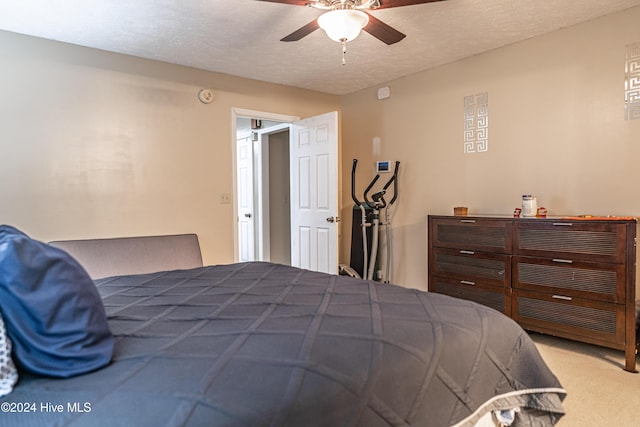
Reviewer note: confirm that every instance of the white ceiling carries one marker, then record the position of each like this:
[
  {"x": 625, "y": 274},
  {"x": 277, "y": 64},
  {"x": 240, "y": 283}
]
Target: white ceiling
[{"x": 241, "y": 37}]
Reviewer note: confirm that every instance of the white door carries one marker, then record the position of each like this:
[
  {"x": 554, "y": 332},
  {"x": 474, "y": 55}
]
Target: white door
[
  {"x": 314, "y": 193},
  {"x": 246, "y": 222}
]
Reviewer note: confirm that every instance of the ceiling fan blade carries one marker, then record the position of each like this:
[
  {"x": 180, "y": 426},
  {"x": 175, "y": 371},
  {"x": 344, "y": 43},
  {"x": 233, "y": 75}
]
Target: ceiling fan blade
[
  {"x": 301, "y": 32},
  {"x": 382, "y": 31},
  {"x": 293, "y": 2},
  {"x": 386, "y": 4}
]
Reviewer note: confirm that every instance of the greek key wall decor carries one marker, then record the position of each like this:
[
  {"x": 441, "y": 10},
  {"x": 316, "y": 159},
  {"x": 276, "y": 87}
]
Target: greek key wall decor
[
  {"x": 476, "y": 123},
  {"x": 632, "y": 82}
]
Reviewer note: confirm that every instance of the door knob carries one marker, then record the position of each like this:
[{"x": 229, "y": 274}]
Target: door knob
[
  {"x": 333, "y": 219},
  {"x": 247, "y": 215}
]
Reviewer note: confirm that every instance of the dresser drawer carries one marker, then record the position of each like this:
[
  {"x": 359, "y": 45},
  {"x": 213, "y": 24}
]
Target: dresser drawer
[
  {"x": 590, "y": 321},
  {"x": 497, "y": 298},
  {"x": 471, "y": 266},
  {"x": 601, "y": 242},
  {"x": 590, "y": 280},
  {"x": 471, "y": 233}
]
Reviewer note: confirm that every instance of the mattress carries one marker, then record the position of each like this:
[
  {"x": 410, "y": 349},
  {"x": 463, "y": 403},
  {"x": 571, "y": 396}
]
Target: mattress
[{"x": 261, "y": 344}]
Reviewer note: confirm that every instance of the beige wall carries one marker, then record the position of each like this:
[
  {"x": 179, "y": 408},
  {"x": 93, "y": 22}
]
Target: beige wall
[
  {"x": 557, "y": 130},
  {"x": 95, "y": 144}
]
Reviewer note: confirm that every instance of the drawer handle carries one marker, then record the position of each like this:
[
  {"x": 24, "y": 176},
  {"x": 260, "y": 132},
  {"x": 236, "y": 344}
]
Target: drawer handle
[
  {"x": 467, "y": 282},
  {"x": 467, "y": 252},
  {"x": 563, "y": 224},
  {"x": 471, "y": 221},
  {"x": 562, "y": 297},
  {"x": 564, "y": 261}
]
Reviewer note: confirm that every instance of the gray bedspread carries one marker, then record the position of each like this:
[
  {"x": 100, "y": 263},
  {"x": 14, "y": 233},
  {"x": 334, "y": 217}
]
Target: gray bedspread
[{"x": 259, "y": 344}]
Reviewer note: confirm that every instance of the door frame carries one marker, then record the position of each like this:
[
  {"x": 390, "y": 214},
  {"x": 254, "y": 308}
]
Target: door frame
[{"x": 261, "y": 115}]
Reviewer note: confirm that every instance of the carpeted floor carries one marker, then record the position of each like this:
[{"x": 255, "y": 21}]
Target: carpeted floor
[{"x": 599, "y": 391}]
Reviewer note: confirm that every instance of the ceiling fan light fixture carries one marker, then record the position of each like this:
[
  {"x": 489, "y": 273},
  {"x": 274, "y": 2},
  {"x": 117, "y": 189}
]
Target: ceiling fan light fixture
[
  {"x": 343, "y": 4},
  {"x": 343, "y": 25}
]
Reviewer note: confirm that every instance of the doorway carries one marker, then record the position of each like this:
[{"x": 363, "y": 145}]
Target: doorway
[
  {"x": 262, "y": 231},
  {"x": 264, "y": 188}
]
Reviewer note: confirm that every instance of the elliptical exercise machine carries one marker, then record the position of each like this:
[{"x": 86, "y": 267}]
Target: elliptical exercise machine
[{"x": 365, "y": 238}]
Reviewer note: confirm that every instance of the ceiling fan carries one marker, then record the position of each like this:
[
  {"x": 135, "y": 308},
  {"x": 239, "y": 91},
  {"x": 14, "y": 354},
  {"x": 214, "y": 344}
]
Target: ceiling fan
[{"x": 344, "y": 19}]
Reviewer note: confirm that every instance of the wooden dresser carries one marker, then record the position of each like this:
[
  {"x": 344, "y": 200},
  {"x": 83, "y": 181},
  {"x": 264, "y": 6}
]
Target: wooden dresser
[{"x": 569, "y": 278}]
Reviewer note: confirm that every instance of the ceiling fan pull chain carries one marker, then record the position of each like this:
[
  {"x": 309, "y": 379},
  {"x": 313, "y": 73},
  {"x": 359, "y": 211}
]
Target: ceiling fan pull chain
[{"x": 344, "y": 51}]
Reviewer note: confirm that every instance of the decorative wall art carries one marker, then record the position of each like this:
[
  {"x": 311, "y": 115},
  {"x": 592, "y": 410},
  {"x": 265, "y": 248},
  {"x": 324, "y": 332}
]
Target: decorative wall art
[
  {"x": 632, "y": 82},
  {"x": 476, "y": 123}
]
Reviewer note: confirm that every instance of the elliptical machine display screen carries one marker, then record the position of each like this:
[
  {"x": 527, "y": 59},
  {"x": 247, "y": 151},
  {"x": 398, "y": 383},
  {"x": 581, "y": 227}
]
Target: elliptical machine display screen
[{"x": 383, "y": 166}]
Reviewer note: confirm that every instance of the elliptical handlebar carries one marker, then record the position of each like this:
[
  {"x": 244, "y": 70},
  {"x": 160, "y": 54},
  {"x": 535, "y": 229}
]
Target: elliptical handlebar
[
  {"x": 369, "y": 187},
  {"x": 353, "y": 182},
  {"x": 394, "y": 180},
  {"x": 377, "y": 196}
]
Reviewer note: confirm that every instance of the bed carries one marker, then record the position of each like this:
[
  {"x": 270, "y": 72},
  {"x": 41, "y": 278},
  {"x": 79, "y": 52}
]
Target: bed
[{"x": 262, "y": 344}]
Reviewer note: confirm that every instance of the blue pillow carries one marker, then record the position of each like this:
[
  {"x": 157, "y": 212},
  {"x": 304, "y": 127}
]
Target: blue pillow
[{"x": 52, "y": 310}]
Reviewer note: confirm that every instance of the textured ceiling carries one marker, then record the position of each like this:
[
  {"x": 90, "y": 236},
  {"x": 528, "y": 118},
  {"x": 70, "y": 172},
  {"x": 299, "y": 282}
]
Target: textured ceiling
[{"x": 241, "y": 37}]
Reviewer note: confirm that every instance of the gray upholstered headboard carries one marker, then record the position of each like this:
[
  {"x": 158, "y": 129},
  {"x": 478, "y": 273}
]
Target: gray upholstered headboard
[{"x": 134, "y": 255}]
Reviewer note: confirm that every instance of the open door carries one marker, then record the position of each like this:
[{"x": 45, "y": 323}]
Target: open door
[
  {"x": 314, "y": 193},
  {"x": 245, "y": 200}
]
